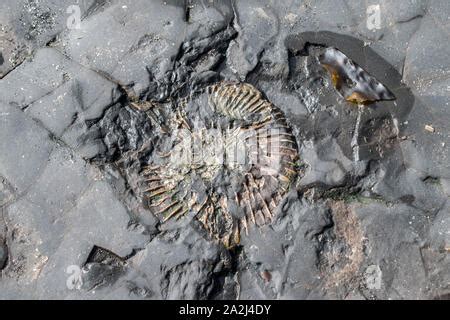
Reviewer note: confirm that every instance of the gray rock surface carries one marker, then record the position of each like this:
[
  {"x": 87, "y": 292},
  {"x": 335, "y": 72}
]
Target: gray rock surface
[{"x": 368, "y": 217}]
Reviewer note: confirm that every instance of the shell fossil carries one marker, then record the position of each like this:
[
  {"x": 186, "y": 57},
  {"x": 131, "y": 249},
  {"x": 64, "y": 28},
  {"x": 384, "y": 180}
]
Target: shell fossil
[
  {"x": 354, "y": 83},
  {"x": 227, "y": 160}
]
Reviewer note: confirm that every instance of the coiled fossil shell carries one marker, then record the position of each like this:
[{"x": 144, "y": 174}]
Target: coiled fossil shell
[{"x": 227, "y": 161}]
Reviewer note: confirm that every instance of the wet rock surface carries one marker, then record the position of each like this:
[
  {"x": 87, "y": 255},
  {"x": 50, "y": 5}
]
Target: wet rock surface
[{"x": 368, "y": 216}]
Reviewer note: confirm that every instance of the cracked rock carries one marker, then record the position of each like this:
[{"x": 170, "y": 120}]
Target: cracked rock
[{"x": 82, "y": 111}]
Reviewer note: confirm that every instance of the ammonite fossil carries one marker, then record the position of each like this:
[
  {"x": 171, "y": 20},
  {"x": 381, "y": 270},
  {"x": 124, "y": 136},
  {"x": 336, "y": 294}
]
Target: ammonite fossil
[{"x": 227, "y": 159}]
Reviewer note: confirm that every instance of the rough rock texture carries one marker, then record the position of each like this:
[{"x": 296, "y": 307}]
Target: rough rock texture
[{"x": 368, "y": 218}]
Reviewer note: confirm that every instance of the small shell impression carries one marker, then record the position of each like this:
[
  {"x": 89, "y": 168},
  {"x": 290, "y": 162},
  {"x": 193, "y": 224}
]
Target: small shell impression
[
  {"x": 351, "y": 81},
  {"x": 227, "y": 160}
]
